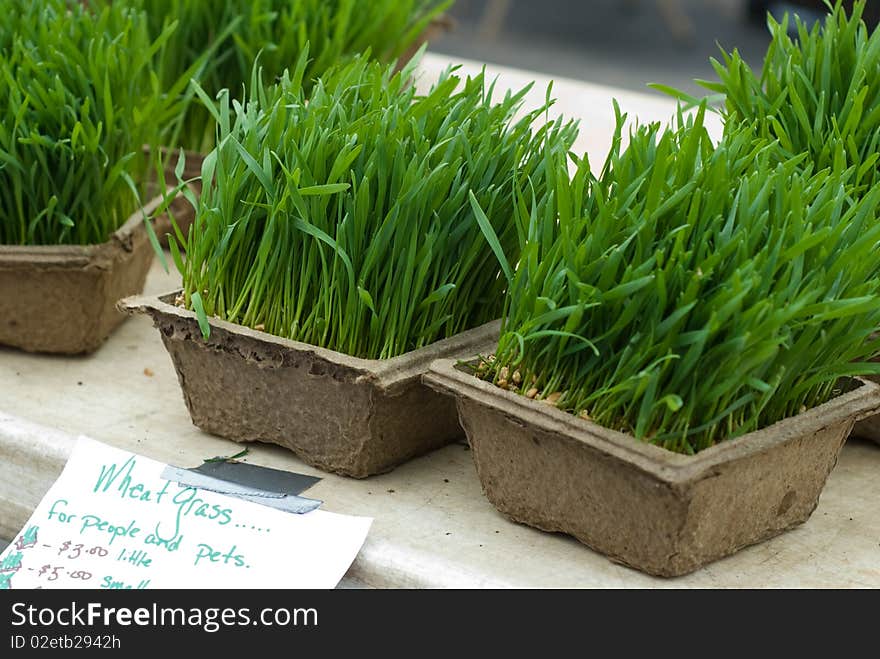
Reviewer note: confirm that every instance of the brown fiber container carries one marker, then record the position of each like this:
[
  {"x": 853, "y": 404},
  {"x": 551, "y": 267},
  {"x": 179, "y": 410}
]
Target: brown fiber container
[
  {"x": 62, "y": 299},
  {"x": 869, "y": 428},
  {"x": 643, "y": 506},
  {"x": 346, "y": 415}
]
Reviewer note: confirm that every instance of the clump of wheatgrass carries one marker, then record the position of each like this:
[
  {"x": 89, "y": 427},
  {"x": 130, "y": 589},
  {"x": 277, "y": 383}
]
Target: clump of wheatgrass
[
  {"x": 218, "y": 43},
  {"x": 344, "y": 219},
  {"x": 818, "y": 93},
  {"x": 691, "y": 292},
  {"x": 78, "y": 100}
]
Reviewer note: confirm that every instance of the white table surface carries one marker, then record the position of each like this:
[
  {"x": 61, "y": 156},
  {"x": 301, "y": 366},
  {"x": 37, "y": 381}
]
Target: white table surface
[{"x": 433, "y": 527}]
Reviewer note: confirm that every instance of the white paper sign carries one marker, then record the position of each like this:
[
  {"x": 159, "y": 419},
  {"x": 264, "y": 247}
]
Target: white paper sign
[{"x": 112, "y": 521}]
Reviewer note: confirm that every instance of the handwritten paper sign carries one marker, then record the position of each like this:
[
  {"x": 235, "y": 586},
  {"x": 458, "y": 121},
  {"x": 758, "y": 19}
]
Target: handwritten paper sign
[{"x": 112, "y": 521}]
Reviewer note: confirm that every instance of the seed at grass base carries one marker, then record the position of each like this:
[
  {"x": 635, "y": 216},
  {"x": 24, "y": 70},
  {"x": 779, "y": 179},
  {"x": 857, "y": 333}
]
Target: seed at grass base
[
  {"x": 552, "y": 399},
  {"x": 531, "y": 393}
]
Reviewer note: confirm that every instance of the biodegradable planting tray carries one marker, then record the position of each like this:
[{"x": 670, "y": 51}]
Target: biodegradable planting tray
[
  {"x": 660, "y": 512},
  {"x": 869, "y": 428},
  {"x": 346, "y": 415},
  {"x": 62, "y": 299}
]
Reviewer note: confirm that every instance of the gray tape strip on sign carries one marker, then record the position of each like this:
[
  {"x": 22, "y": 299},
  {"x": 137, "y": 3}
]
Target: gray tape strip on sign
[
  {"x": 261, "y": 478},
  {"x": 289, "y": 503}
]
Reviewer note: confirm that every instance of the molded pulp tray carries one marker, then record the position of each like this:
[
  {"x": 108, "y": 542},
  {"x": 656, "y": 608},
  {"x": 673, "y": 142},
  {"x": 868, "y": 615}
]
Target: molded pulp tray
[
  {"x": 62, "y": 299},
  {"x": 346, "y": 415},
  {"x": 649, "y": 508}
]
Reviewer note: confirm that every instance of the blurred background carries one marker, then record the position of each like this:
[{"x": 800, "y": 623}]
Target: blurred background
[{"x": 624, "y": 43}]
